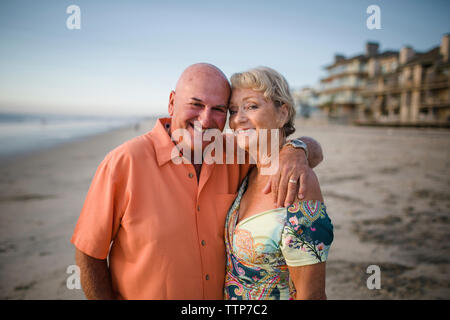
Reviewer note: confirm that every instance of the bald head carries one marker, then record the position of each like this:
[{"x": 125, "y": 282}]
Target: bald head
[{"x": 200, "y": 72}]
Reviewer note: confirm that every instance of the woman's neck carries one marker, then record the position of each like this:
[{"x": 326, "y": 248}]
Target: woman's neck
[{"x": 265, "y": 160}]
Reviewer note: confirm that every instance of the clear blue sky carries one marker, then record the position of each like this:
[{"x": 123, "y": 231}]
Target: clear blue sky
[{"x": 128, "y": 54}]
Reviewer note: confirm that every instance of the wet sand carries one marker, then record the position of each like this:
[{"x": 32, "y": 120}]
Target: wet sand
[{"x": 387, "y": 192}]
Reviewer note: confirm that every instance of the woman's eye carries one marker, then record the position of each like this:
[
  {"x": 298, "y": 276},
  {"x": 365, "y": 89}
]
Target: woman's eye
[
  {"x": 254, "y": 106},
  {"x": 220, "y": 110},
  {"x": 232, "y": 112}
]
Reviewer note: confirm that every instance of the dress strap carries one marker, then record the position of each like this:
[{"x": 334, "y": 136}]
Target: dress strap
[{"x": 243, "y": 187}]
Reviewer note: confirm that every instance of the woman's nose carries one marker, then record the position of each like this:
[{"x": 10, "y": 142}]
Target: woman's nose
[{"x": 240, "y": 116}]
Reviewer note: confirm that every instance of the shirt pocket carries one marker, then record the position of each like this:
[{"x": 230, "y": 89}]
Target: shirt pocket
[{"x": 223, "y": 203}]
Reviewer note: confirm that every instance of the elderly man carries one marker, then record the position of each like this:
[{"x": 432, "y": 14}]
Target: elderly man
[{"x": 159, "y": 223}]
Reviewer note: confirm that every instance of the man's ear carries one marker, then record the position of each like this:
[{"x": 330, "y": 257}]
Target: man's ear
[{"x": 171, "y": 103}]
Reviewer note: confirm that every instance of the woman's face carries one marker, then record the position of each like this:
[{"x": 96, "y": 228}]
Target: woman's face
[{"x": 250, "y": 112}]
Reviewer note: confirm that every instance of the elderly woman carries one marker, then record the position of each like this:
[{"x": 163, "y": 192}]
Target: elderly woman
[{"x": 271, "y": 253}]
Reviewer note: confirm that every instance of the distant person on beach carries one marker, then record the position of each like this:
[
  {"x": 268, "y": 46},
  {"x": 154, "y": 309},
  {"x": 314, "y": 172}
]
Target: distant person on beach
[
  {"x": 272, "y": 253},
  {"x": 151, "y": 228}
]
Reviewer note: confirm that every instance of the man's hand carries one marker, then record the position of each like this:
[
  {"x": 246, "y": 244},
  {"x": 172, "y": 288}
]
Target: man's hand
[{"x": 293, "y": 166}]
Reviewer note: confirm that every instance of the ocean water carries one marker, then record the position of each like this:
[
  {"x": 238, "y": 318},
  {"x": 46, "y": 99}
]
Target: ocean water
[{"x": 24, "y": 133}]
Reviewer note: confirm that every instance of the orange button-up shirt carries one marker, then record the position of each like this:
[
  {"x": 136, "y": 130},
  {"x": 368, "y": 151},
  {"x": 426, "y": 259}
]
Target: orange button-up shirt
[{"x": 163, "y": 230}]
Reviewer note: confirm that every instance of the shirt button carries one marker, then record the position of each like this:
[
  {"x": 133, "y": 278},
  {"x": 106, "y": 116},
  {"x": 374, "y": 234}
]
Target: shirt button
[
  {"x": 198, "y": 208},
  {"x": 207, "y": 277},
  {"x": 203, "y": 242},
  {"x": 190, "y": 175}
]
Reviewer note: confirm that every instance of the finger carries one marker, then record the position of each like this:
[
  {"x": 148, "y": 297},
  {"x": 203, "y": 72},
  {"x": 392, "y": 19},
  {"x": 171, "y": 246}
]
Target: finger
[
  {"x": 302, "y": 189},
  {"x": 282, "y": 189},
  {"x": 275, "y": 180},
  {"x": 292, "y": 191}
]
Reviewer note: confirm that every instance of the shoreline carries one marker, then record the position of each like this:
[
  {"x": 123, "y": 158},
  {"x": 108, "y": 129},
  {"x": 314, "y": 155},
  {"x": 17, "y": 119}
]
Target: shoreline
[{"x": 30, "y": 153}]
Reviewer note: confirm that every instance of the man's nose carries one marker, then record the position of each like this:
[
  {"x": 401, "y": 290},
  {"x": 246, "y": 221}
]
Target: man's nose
[{"x": 205, "y": 118}]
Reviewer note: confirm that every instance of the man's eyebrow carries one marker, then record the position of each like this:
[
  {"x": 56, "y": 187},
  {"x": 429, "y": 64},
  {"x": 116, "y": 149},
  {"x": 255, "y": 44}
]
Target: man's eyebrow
[{"x": 217, "y": 106}]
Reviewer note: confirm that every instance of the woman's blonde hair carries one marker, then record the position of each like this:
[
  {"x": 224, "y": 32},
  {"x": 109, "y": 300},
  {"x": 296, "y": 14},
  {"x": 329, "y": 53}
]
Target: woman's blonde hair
[{"x": 274, "y": 87}]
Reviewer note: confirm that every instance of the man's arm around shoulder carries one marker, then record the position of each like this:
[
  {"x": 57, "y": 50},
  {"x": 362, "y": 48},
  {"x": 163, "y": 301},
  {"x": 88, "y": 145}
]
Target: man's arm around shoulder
[{"x": 315, "y": 154}]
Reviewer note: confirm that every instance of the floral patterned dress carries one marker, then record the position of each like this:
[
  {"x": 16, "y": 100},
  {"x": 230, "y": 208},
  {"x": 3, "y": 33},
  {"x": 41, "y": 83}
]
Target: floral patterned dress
[{"x": 261, "y": 247}]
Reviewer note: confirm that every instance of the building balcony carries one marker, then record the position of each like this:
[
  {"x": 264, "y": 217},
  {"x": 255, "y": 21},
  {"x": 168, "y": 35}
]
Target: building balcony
[
  {"x": 340, "y": 88},
  {"x": 436, "y": 83},
  {"x": 435, "y": 102},
  {"x": 345, "y": 74},
  {"x": 345, "y": 100}
]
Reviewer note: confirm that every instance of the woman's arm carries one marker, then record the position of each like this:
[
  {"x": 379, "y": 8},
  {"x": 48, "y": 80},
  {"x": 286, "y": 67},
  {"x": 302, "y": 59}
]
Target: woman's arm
[{"x": 309, "y": 281}]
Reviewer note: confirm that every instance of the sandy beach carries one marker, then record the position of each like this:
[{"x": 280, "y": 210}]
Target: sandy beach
[{"x": 387, "y": 192}]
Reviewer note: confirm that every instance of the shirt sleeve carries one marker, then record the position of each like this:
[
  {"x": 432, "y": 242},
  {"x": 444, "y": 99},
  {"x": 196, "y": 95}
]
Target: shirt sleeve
[
  {"x": 307, "y": 235},
  {"x": 102, "y": 211}
]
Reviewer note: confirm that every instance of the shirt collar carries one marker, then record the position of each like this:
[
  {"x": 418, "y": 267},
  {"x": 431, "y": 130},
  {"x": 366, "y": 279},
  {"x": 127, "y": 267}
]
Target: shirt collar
[{"x": 163, "y": 144}]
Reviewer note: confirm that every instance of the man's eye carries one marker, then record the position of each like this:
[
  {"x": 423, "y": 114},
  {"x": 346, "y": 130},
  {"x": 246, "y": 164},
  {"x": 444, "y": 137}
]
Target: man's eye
[
  {"x": 197, "y": 104},
  {"x": 220, "y": 110}
]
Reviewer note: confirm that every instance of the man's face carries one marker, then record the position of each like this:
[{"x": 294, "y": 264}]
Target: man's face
[{"x": 202, "y": 98}]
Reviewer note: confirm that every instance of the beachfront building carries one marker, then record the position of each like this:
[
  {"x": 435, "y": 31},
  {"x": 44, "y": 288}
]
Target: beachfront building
[
  {"x": 382, "y": 73},
  {"x": 306, "y": 100},
  {"x": 412, "y": 88},
  {"x": 393, "y": 87},
  {"x": 340, "y": 90}
]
